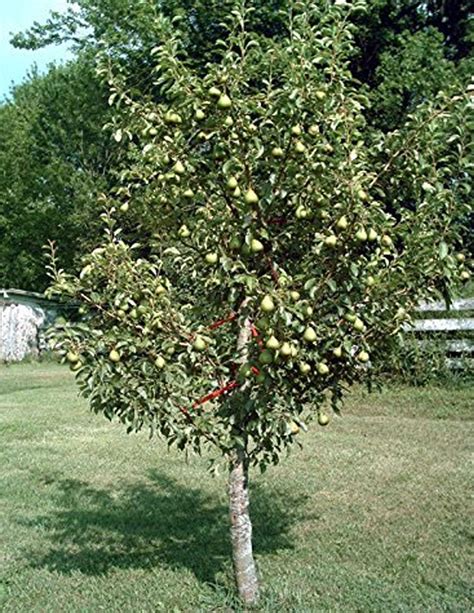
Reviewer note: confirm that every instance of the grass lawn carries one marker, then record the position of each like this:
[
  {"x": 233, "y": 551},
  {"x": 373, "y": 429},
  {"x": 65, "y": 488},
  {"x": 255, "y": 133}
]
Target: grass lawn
[{"x": 372, "y": 514}]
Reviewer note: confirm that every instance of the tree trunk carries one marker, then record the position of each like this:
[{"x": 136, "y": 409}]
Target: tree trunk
[
  {"x": 240, "y": 524},
  {"x": 241, "y": 529}
]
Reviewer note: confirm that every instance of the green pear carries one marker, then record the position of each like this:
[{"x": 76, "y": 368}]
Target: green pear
[
  {"x": 178, "y": 168},
  {"x": 322, "y": 368},
  {"x": 199, "y": 344},
  {"x": 160, "y": 362},
  {"x": 224, "y": 102},
  {"x": 72, "y": 357},
  {"x": 124, "y": 207},
  {"x": 277, "y": 152},
  {"x": 313, "y": 130},
  {"x": 188, "y": 193},
  {"x": 358, "y": 324},
  {"x": 294, "y": 428},
  {"x": 263, "y": 323},
  {"x": 305, "y": 368},
  {"x": 310, "y": 335},
  {"x": 386, "y": 241},
  {"x": 373, "y": 236},
  {"x": 184, "y": 232},
  {"x": 272, "y": 343},
  {"x": 342, "y": 223},
  {"x": 296, "y": 130},
  {"x": 337, "y": 352},
  {"x": 232, "y": 183},
  {"x": 114, "y": 356},
  {"x": 266, "y": 357},
  {"x": 300, "y": 147},
  {"x": 256, "y": 245},
  {"x": 199, "y": 115},
  {"x": 323, "y": 419},
  {"x": 363, "y": 356},
  {"x": 244, "y": 371},
  {"x": 301, "y": 212},
  {"x": 361, "y": 235},
  {"x": 214, "y": 91},
  {"x": 251, "y": 197},
  {"x": 285, "y": 350},
  {"x": 295, "y": 295},
  {"x": 228, "y": 121},
  {"x": 212, "y": 257},
  {"x": 330, "y": 241},
  {"x": 267, "y": 304},
  {"x": 235, "y": 244}
]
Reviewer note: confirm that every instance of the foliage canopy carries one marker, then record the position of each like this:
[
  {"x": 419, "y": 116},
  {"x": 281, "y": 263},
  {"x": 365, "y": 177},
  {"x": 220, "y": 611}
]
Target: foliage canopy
[
  {"x": 256, "y": 192},
  {"x": 403, "y": 52}
]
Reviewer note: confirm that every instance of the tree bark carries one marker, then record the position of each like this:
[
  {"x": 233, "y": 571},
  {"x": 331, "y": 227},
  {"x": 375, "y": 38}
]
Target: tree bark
[
  {"x": 240, "y": 524},
  {"x": 241, "y": 529}
]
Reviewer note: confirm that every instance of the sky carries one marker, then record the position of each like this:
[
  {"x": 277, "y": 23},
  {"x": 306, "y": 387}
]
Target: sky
[{"x": 17, "y": 15}]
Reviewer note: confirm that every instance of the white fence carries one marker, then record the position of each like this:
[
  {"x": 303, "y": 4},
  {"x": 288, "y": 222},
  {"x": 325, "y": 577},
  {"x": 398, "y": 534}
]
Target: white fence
[{"x": 459, "y": 350}]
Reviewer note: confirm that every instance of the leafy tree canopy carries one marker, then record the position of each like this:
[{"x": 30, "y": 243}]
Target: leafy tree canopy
[
  {"x": 55, "y": 155},
  {"x": 255, "y": 191}
]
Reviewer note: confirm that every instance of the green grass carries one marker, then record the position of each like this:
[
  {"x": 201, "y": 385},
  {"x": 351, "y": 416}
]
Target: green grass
[{"x": 371, "y": 515}]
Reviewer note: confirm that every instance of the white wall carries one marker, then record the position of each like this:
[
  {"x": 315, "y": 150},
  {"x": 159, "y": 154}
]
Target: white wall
[{"x": 19, "y": 326}]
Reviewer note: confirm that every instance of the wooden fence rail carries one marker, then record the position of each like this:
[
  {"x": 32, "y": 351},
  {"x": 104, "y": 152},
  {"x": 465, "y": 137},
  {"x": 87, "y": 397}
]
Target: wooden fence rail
[{"x": 460, "y": 349}]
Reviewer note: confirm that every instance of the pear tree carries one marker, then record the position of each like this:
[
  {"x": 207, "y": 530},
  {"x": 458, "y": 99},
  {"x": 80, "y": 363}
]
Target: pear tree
[{"x": 262, "y": 245}]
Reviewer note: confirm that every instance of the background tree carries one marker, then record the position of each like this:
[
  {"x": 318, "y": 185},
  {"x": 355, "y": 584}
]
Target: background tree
[
  {"x": 54, "y": 160},
  {"x": 261, "y": 244}
]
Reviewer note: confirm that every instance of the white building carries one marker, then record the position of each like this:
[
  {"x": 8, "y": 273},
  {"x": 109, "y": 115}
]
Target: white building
[{"x": 23, "y": 318}]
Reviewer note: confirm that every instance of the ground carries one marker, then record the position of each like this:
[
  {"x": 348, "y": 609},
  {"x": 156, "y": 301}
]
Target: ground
[{"x": 371, "y": 515}]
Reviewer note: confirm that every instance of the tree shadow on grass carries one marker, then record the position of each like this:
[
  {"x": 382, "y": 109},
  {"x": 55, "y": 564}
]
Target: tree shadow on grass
[{"x": 160, "y": 522}]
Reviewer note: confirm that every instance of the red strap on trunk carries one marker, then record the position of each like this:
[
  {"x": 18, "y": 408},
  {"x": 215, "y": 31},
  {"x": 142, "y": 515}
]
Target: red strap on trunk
[
  {"x": 221, "y": 322},
  {"x": 232, "y": 384}
]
